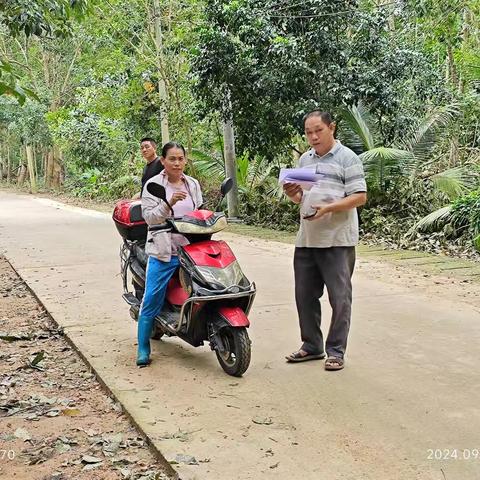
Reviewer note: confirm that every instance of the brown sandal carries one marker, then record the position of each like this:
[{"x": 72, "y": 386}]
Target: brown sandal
[
  {"x": 300, "y": 357},
  {"x": 334, "y": 363}
]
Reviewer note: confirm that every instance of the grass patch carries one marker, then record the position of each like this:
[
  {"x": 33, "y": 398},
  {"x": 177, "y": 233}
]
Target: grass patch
[{"x": 262, "y": 233}]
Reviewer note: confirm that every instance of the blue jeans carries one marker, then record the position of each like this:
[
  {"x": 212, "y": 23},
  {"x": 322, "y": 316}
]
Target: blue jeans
[{"x": 158, "y": 275}]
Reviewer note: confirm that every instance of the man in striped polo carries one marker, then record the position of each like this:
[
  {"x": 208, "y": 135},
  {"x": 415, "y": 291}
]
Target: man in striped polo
[{"x": 325, "y": 246}]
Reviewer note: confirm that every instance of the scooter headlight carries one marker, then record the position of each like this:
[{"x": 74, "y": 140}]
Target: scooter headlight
[{"x": 222, "y": 277}]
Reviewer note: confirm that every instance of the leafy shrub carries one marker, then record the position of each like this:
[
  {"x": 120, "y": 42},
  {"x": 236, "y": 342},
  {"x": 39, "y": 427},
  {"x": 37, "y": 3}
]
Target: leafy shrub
[
  {"x": 124, "y": 187},
  {"x": 465, "y": 217},
  {"x": 94, "y": 184},
  {"x": 258, "y": 208}
]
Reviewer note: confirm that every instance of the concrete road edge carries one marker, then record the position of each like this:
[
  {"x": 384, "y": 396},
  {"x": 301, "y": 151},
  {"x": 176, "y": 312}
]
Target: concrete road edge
[{"x": 156, "y": 453}]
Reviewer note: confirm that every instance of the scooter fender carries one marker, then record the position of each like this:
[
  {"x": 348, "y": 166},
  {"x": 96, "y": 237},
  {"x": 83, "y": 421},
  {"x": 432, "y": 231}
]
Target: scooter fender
[{"x": 234, "y": 316}]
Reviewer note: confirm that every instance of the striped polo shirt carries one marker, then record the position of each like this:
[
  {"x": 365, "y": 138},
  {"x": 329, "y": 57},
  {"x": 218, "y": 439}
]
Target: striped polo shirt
[{"x": 341, "y": 174}]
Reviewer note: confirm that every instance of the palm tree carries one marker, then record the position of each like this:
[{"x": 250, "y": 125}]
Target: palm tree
[
  {"x": 411, "y": 158},
  {"x": 251, "y": 172}
]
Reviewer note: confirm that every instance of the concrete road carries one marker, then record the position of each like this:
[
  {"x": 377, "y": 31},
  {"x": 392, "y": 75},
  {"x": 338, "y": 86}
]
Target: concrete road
[{"x": 405, "y": 407}]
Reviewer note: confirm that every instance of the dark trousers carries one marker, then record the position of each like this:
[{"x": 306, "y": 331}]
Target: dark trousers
[{"x": 314, "y": 269}]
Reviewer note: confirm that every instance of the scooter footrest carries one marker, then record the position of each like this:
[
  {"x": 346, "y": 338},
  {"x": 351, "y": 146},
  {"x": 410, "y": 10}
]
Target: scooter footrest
[
  {"x": 131, "y": 299},
  {"x": 171, "y": 318}
]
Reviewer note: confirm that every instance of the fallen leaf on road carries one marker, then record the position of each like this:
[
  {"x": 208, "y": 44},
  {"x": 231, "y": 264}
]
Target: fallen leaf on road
[
  {"x": 68, "y": 441},
  {"x": 125, "y": 473},
  {"x": 90, "y": 459},
  {"x": 56, "y": 476},
  {"x": 71, "y": 412},
  {"x": 13, "y": 338},
  {"x": 61, "y": 447},
  {"x": 38, "y": 454},
  {"x": 92, "y": 466},
  {"x": 53, "y": 413},
  {"x": 37, "y": 359},
  {"x": 22, "y": 434},
  {"x": 262, "y": 420},
  {"x": 180, "y": 436},
  {"x": 45, "y": 400},
  {"x": 186, "y": 459},
  {"x": 89, "y": 432},
  {"x": 125, "y": 460}
]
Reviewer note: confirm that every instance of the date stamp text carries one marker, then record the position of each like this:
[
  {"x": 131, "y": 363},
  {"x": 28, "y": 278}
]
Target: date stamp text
[
  {"x": 453, "y": 454},
  {"x": 6, "y": 455}
]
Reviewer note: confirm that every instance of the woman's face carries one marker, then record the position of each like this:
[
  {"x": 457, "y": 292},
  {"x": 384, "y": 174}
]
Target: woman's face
[{"x": 174, "y": 162}]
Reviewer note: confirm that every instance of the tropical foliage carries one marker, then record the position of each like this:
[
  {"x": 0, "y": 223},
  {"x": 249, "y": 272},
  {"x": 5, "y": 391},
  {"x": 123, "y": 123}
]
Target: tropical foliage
[{"x": 81, "y": 81}]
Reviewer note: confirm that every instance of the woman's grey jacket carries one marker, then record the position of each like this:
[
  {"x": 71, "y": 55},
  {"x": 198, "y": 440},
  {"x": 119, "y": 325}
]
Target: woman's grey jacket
[{"x": 156, "y": 211}]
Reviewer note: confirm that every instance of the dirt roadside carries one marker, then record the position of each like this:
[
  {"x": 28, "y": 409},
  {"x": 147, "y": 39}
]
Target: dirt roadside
[{"x": 56, "y": 421}]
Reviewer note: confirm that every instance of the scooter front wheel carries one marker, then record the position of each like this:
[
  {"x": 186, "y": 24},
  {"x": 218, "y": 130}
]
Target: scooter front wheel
[{"x": 235, "y": 358}]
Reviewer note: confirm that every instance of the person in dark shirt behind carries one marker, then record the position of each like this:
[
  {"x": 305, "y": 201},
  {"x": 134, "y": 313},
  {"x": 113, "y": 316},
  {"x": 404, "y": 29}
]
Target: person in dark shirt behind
[{"x": 148, "y": 148}]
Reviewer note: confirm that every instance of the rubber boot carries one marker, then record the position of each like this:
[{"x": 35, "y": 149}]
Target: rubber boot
[{"x": 145, "y": 326}]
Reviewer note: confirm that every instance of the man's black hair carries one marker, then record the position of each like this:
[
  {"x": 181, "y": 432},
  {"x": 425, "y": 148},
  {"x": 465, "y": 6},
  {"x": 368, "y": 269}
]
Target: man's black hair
[
  {"x": 148, "y": 139},
  {"x": 325, "y": 116}
]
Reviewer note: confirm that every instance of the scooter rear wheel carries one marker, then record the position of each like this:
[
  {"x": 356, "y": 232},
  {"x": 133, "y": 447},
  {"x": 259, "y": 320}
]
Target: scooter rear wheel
[
  {"x": 236, "y": 357},
  {"x": 157, "y": 332}
]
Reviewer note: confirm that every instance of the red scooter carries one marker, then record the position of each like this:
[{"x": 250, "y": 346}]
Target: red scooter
[{"x": 208, "y": 298}]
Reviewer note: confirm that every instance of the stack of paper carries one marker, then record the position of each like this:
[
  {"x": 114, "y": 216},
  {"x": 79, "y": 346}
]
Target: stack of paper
[{"x": 305, "y": 177}]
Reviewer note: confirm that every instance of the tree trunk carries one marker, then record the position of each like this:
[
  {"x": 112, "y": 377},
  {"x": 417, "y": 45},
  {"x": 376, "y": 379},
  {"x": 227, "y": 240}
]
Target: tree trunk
[
  {"x": 452, "y": 69},
  {"x": 54, "y": 169},
  {"x": 162, "y": 89},
  {"x": 2, "y": 160},
  {"x": 467, "y": 21},
  {"x": 44, "y": 165},
  {"x": 389, "y": 10},
  {"x": 22, "y": 173},
  {"x": 454, "y": 152},
  {"x": 230, "y": 167},
  {"x": 49, "y": 169},
  {"x": 35, "y": 164},
  {"x": 31, "y": 168},
  {"x": 57, "y": 173},
  {"x": 9, "y": 164},
  {"x": 189, "y": 147}
]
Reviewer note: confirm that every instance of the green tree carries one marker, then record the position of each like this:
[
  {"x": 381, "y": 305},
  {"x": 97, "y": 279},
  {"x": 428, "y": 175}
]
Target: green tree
[
  {"x": 40, "y": 18},
  {"x": 277, "y": 61}
]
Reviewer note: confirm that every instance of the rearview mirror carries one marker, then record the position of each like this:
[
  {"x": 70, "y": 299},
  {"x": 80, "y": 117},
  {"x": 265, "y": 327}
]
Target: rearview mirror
[
  {"x": 157, "y": 190},
  {"x": 226, "y": 186}
]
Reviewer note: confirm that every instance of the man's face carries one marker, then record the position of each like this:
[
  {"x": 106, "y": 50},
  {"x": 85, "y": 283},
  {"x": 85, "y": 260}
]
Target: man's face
[
  {"x": 148, "y": 150},
  {"x": 318, "y": 133}
]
